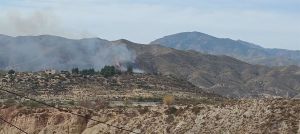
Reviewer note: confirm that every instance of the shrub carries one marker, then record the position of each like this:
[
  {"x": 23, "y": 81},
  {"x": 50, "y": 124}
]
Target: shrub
[
  {"x": 101, "y": 104},
  {"x": 143, "y": 110},
  {"x": 170, "y": 119},
  {"x": 86, "y": 104},
  {"x": 171, "y": 110},
  {"x": 9, "y": 102},
  {"x": 168, "y": 100},
  {"x": 196, "y": 110},
  {"x": 72, "y": 102},
  {"x": 147, "y": 99},
  {"x": 31, "y": 104}
]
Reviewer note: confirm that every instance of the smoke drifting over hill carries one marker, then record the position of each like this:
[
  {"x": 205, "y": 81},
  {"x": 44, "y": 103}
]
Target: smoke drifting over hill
[
  {"x": 34, "y": 53},
  {"x": 36, "y": 23}
]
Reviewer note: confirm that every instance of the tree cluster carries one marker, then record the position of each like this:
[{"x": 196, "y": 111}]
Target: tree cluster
[
  {"x": 109, "y": 71},
  {"x": 106, "y": 71},
  {"x": 11, "y": 71},
  {"x": 90, "y": 71}
]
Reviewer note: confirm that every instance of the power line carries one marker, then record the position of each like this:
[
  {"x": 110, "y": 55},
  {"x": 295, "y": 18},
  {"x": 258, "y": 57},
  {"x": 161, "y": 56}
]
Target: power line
[
  {"x": 23, "y": 131},
  {"x": 79, "y": 115}
]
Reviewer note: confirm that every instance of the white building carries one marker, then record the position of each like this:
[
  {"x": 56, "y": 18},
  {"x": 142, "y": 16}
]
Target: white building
[{"x": 50, "y": 71}]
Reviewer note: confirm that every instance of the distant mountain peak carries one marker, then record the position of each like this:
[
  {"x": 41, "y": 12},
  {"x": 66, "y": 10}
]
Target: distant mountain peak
[
  {"x": 124, "y": 41},
  {"x": 193, "y": 34},
  {"x": 239, "y": 49}
]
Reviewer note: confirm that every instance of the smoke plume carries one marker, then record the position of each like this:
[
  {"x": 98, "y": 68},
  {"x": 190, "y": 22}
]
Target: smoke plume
[{"x": 35, "y": 53}]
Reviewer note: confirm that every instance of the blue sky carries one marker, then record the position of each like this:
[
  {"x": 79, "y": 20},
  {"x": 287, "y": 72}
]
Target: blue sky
[{"x": 269, "y": 23}]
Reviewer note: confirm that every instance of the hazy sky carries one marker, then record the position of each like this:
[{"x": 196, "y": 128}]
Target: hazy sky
[{"x": 269, "y": 23}]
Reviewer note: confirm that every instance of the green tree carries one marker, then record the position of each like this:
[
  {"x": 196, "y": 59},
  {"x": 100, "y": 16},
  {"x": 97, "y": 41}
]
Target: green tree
[
  {"x": 11, "y": 71},
  {"x": 75, "y": 71},
  {"x": 108, "y": 71},
  {"x": 88, "y": 71},
  {"x": 129, "y": 69}
]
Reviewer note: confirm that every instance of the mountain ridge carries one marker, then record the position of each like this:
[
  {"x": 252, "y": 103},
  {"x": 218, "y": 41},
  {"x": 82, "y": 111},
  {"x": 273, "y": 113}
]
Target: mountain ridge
[
  {"x": 239, "y": 49},
  {"x": 219, "y": 74}
]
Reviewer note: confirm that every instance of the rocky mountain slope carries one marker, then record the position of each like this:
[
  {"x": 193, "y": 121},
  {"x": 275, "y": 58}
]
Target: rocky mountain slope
[
  {"x": 222, "y": 75},
  {"x": 242, "y": 50}
]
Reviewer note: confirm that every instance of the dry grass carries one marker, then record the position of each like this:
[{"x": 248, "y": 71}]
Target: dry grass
[{"x": 168, "y": 100}]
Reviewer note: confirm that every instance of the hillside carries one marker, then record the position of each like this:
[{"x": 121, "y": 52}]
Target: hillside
[
  {"x": 246, "y": 116},
  {"x": 134, "y": 102},
  {"x": 242, "y": 50},
  {"x": 113, "y": 100},
  {"x": 78, "y": 88},
  {"x": 222, "y": 75},
  {"x": 35, "y": 53}
]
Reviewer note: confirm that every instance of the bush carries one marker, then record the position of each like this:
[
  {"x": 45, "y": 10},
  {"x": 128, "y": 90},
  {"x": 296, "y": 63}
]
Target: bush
[
  {"x": 143, "y": 110},
  {"x": 9, "y": 102},
  {"x": 171, "y": 110},
  {"x": 196, "y": 110},
  {"x": 72, "y": 102},
  {"x": 31, "y": 104},
  {"x": 168, "y": 100},
  {"x": 170, "y": 119},
  {"x": 147, "y": 99}
]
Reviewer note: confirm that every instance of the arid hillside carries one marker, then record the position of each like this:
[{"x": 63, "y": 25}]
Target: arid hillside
[
  {"x": 245, "y": 116},
  {"x": 133, "y": 103},
  {"x": 96, "y": 91},
  {"x": 222, "y": 75}
]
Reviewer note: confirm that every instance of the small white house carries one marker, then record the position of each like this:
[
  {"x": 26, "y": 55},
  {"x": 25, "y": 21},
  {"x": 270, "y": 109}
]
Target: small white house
[{"x": 50, "y": 71}]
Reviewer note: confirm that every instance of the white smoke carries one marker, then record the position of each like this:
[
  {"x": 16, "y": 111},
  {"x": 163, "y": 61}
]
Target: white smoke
[
  {"x": 40, "y": 22},
  {"x": 34, "y": 53}
]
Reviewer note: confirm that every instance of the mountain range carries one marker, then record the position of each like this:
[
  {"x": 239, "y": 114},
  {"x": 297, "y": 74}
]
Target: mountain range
[
  {"x": 219, "y": 74},
  {"x": 222, "y": 75},
  {"x": 239, "y": 49}
]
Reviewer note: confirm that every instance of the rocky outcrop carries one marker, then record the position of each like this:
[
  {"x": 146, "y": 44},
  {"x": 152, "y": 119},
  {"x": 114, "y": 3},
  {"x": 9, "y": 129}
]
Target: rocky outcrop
[{"x": 244, "y": 116}]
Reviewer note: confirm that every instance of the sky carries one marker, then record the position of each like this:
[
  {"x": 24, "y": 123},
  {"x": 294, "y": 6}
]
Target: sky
[{"x": 269, "y": 23}]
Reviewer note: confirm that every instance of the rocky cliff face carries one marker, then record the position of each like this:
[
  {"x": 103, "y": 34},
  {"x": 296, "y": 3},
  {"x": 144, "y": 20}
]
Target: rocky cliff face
[{"x": 244, "y": 116}]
